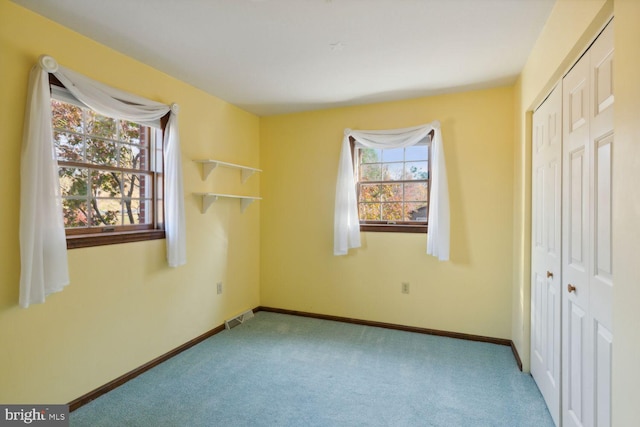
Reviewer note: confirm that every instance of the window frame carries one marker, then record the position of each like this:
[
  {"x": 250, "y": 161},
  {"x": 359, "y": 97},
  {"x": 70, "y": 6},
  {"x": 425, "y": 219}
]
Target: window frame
[
  {"x": 108, "y": 235},
  {"x": 391, "y": 226}
]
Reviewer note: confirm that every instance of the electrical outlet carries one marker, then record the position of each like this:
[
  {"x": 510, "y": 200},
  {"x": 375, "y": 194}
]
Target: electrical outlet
[
  {"x": 219, "y": 287},
  {"x": 405, "y": 287}
]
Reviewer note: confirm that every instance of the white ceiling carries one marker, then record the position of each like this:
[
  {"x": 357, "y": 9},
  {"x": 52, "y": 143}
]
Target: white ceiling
[{"x": 278, "y": 56}]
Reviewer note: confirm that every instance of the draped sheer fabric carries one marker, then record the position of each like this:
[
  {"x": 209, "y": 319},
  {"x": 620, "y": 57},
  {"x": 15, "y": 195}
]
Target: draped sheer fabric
[
  {"x": 346, "y": 222},
  {"x": 43, "y": 255}
]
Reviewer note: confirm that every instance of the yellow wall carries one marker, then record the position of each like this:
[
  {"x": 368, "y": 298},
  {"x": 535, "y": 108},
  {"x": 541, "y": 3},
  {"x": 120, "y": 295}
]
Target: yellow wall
[
  {"x": 469, "y": 294},
  {"x": 124, "y": 306},
  {"x": 567, "y": 33},
  {"x": 626, "y": 211}
]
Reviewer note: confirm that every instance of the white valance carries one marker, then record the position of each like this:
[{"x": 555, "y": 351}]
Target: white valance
[
  {"x": 43, "y": 255},
  {"x": 346, "y": 222}
]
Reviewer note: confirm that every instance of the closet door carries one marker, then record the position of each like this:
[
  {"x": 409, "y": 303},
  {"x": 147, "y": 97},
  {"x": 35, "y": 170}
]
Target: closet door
[
  {"x": 576, "y": 339},
  {"x": 546, "y": 249},
  {"x": 600, "y": 226},
  {"x": 587, "y": 261}
]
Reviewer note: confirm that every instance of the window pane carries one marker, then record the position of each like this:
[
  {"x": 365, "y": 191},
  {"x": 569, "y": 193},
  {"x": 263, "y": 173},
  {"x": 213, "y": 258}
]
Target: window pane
[
  {"x": 145, "y": 211},
  {"x": 73, "y": 181},
  {"x": 371, "y": 172},
  {"x": 393, "y": 155},
  {"x": 417, "y": 170},
  {"x": 370, "y": 155},
  {"x": 370, "y": 192},
  {"x": 132, "y": 133},
  {"x": 137, "y": 211},
  {"x": 106, "y": 184},
  {"x": 146, "y": 186},
  {"x": 66, "y": 116},
  {"x": 137, "y": 185},
  {"x": 392, "y": 212},
  {"x": 100, "y": 125},
  {"x": 416, "y": 191},
  {"x": 131, "y": 185},
  {"x": 74, "y": 212},
  {"x": 68, "y": 146},
  {"x": 369, "y": 211},
  {"x": 392, "y": 171},
  {"x": 159, "y": 200},
  {"x": 416, "y": 152},
  {"x": 106, "y": 212},
  {"x": 415, "y": 211},
  {"x": 133, "y": 157},
  {"x": 158, "y": 164},
  {"x": 102, "y": 152},
  {"x": 391, "y": 192}
]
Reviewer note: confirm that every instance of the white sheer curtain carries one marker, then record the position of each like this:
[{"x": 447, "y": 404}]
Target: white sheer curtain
[
  {"x": 42, "y": 238},
  {"x": 346, "y": 223}
]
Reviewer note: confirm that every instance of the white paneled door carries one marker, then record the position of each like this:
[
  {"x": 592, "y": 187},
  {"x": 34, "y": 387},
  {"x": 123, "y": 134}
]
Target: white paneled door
[
  {"x": 546, "y": 262},
  {"x": 587, "y": 273}
]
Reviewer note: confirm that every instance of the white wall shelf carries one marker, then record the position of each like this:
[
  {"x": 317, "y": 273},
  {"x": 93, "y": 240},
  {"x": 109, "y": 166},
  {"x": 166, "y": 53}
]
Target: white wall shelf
[
  {"x": 209, "y": 165},
  {"x": 209, "y": 198}
]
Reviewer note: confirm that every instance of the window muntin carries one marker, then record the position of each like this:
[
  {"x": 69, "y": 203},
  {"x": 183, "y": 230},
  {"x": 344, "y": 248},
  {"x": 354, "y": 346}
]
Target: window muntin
[
  {"x": 110, "y": 170},
  {"x": 393, "y": 188}
]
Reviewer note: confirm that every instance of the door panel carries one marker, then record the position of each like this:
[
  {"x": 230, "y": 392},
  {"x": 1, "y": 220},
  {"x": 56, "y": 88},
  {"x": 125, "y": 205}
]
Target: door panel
[
  {"x": 538, "y": 318},
  {"x": 552, "y": 205},
  {"x": 602, "y": 271},
  {"x": 546, "y": 250},
  {"x": 602, "y": 72},
  {"x": 552, "y": 338},
  {"x": 602, "y": 274},
  {"x": 576, "y": 381},
  {"x": 575, "y": 269},
  {"x": 576, "y": 221},
  {"x": 578, "y": 103},
  {"x": 604, "y": 345},
  {"x": 602, "y": 198},
  {"x": 587, "y": 267}
]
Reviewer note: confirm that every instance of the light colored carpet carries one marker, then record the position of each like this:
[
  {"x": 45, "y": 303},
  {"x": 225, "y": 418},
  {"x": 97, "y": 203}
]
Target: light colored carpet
[{"x": 281, "y": 370}]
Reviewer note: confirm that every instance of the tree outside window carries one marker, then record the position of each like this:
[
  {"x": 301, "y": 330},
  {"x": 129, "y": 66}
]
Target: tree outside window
[
  {"x": 108, "y": 171},
  {"x": 393, "y": 188}
]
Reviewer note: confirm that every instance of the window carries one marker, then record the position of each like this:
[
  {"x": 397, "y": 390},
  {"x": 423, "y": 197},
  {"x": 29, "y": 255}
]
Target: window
[
  {"x": 393, "y": 188},
  {"x": 110, "y": 174}
]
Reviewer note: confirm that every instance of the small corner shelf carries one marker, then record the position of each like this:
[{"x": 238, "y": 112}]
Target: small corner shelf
[
  {"x": 209, "y": 198},
  {"x": 209, "y": 165}
]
